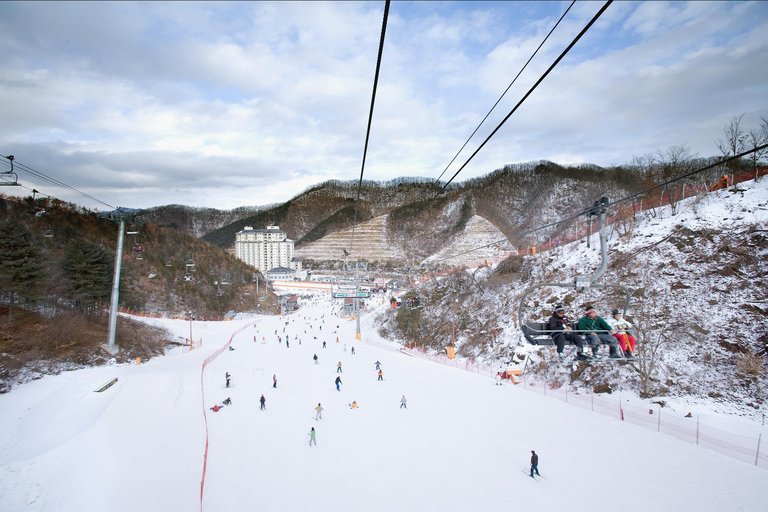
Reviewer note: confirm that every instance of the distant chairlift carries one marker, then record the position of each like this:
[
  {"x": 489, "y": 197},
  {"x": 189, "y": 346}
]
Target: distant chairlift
[
  {"x": 9, "y": 178},
  {"x": 138, "y": 249}
]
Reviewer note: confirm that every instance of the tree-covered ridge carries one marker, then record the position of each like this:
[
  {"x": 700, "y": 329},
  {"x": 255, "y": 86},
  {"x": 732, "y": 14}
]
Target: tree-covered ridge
[{"x": 56, "y": 274}]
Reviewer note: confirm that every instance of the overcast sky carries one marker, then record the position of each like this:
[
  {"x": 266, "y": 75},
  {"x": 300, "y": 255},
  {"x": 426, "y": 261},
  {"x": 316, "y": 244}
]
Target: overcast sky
[{"x": 230, "y": 104}]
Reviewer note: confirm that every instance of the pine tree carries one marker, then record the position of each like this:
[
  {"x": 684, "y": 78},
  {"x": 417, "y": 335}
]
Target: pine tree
[
  {"x": 87, "y": 269},
  {"x": 21, "y": 264}
]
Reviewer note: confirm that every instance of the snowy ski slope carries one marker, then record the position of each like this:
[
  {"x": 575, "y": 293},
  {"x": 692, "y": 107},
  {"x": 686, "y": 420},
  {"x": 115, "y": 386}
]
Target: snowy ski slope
[{"x": 463, "y": 444}]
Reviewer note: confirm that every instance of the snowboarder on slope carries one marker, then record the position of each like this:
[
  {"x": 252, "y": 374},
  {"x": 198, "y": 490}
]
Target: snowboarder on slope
[
  {"x": 338, "y": 381},
  {"x": 403, "y": 403},
  {"x": 315, "y": 358},
  {"x": 338, "y": 368},
  {"x": 274, "y": 381},
  {"x": 534, "y": 463},
  {"x": 227, "y": 376},
  {"x": 381, "y": 377},
  {"x": 263, "y": 402}
]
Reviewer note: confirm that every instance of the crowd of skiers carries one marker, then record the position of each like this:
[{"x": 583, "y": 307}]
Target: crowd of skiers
[{"x": 279, "y": 336}]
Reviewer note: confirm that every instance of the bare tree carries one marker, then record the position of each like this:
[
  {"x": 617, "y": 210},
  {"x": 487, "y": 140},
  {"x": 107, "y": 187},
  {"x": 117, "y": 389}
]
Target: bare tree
[
  {"x": 756, "y": 138},
  {"x": 733, "y": 142},
  {"x": 674, "y": 162}
]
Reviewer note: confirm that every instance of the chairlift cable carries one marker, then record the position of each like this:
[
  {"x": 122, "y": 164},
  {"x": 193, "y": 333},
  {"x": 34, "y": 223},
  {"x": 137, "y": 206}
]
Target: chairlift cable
[
  {"x": 370, "y": 119},
  {"x": 607, "y": 205},
  {"x": 53, "y": 181},
  {"x": 506, "y": 90},
  {"x": 555, "y": 63}
]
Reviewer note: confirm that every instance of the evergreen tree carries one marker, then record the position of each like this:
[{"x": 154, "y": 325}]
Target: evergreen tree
[
  {"x": 87, "y": 269},
  {"x": 21, "y": 264}
]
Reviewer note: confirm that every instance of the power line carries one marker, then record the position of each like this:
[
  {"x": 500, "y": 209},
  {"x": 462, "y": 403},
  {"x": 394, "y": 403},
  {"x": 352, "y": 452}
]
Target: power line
[
  {"x": 506, "y": 90},
  {"x": 557, "y": 61},
  {"x": 624, "y": 199},
  {"x": 370, "y": 119}
]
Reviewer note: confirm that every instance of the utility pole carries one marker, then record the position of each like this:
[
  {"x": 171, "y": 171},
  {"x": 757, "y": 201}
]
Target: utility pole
[
  {"x": 357, "y": 300},
  {"x": 191, "y": 340},
  {"x": 453, "y": 332},
  {"x": 110, "y": 346}
]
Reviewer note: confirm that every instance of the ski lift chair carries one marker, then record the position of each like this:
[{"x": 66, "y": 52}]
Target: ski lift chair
[{"x": 538, "y": 333}]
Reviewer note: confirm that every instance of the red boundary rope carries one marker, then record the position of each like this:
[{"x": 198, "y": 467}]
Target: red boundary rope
[{"x": 205, "y": 416}]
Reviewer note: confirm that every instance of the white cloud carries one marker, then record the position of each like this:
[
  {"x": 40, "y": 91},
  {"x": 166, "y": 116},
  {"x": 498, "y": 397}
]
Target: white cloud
[{"x": 146, "y": 102}]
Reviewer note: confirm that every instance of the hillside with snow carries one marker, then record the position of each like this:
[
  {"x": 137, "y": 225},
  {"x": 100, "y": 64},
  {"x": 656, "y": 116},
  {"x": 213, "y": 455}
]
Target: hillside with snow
[
  {"x": 461, "y": 444},
  {"x": 699, "y": 303}
]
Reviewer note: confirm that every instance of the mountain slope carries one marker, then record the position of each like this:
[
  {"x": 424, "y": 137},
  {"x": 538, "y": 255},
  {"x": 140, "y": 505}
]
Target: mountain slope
[{"x": 700, "y": 301}]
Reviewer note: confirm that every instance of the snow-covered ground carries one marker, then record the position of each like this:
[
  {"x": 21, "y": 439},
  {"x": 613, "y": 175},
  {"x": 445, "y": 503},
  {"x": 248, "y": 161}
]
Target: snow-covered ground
[{"x": 463, "y": 444}]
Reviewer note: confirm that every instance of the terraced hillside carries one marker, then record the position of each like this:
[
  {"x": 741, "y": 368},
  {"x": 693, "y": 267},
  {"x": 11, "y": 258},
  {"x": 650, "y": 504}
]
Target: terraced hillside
[
  {"x": 478, "y": 233},
  {"x": 371, "y": 243}
]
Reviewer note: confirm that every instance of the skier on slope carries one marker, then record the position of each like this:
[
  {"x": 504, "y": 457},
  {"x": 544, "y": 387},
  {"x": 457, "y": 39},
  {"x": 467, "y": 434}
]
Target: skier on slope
[
  {"x": 378, "y": 365},
  {"x": 338, "y": 382},
  {"x": 403, "y": 403},
  {"x": 227, "y": 376},
  {"x": 263, "y": 402},
  {"x": 319, "y": 410},
  {"x": 312, "y": 437},
  {"x": 534, "y": 463},
  {"x": 315, "y": 358},
  {"x": 274, "y": 381}
]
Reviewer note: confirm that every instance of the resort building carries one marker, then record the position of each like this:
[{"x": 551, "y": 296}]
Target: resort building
[{"x": 265, "y": 249}]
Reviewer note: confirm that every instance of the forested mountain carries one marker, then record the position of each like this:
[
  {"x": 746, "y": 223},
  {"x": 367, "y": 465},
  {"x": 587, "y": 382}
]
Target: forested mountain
[
  {"x": 422, "y": 218},
  {"x": 196, "y": 221},
  {"x": 56, "y": 274}
]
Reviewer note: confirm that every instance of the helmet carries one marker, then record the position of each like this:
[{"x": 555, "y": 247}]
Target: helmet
[{"x": 616, "y": 311}]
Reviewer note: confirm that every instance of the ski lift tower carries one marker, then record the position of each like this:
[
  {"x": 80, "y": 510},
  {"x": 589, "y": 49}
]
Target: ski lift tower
[{"x": 117, "y": 216}]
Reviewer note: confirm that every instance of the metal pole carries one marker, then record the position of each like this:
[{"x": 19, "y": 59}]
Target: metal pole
[
  {"x": 357, "y": 300},
  {"x": 757, "y": 455},
  {"x": 453, "y": 331},
  {"x": 110, "y": 346}
]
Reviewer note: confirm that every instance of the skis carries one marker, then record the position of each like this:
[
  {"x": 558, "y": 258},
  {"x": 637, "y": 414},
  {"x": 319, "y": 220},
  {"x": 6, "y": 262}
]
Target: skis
[
  {"x": 527, "y": 472},
  {"x": 604, "y": 359}
]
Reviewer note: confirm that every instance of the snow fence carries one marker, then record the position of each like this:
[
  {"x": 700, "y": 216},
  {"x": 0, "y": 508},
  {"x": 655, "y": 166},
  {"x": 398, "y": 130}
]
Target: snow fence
[{"x": 690, "y": 429}]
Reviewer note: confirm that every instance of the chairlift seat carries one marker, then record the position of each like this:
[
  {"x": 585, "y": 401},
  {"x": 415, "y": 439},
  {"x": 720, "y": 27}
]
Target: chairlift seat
[{"x": 538, "y": 333}]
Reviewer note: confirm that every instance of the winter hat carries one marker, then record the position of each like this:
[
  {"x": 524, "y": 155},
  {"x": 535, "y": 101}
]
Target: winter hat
[
  {"x": 616, "y": 311},
  {"x": 590, "y": 309},
  {"x": 559, "y": 307}
]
